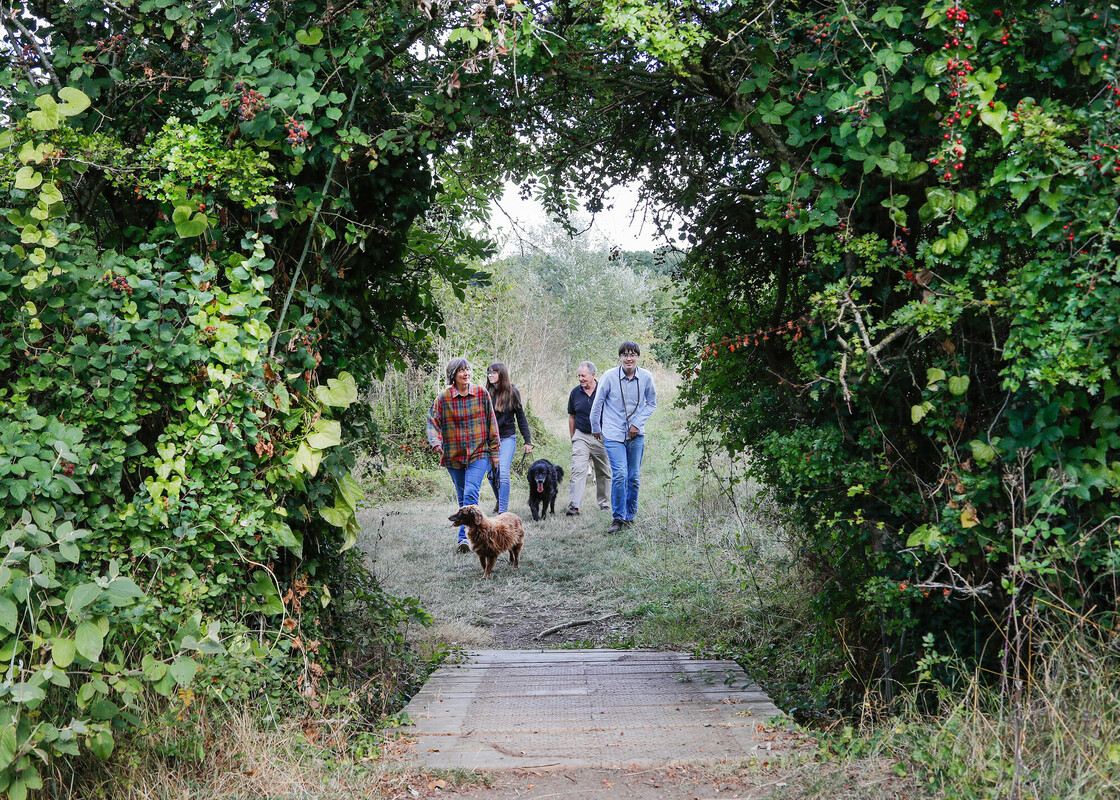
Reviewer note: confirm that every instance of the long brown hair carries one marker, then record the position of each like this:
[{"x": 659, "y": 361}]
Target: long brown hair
[{"x": 502, "y": 393}]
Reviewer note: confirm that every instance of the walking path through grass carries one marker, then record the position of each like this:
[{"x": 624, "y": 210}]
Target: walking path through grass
[{"x": 673, "y": 582}]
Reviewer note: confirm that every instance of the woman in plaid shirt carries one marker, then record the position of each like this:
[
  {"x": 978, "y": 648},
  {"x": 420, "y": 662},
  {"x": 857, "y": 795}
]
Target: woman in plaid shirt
[{"x": 462, "y": 428}]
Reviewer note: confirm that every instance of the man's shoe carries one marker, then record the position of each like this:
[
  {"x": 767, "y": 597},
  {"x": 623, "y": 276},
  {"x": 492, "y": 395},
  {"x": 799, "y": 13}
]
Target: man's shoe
[
  {"x": 616, "y": 526},
  {"x": 572, "y": 511},
  {"x": 495, "y": 511},
  {"x": 463, "y": 546}
]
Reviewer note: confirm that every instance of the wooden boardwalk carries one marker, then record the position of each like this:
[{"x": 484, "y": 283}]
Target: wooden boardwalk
[{"x": 507, "y": 709}]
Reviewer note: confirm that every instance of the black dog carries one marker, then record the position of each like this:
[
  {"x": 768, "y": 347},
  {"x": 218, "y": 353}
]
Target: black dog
[{"x": 544, "y": 485}]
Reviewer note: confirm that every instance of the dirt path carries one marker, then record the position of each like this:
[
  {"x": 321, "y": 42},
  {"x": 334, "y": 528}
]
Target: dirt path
[{"x": 570, "y": 571}]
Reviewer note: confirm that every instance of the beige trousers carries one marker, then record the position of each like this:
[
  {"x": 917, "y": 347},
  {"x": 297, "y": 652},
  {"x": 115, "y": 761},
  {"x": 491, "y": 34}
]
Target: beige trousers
[{"x": 586, "y": 449}]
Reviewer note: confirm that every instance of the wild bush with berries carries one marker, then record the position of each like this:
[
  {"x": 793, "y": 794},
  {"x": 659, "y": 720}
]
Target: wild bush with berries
[
  {"x": 900, "y": 294},
  {"x": 947, "y": 426},
  {"x": 186, "y": 295}
]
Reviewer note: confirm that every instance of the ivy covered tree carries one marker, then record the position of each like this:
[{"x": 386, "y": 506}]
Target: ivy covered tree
[
  {"x": 215, "y": 215},
  {"x": 901, "y": 290}
]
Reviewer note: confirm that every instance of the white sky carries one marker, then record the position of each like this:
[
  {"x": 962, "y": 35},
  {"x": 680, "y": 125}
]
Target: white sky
[{"x": 614, "y": 224}]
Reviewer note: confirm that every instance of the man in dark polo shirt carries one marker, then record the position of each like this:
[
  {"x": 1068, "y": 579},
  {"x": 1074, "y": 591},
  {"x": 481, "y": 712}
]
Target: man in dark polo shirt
[{"x": 586, "y": 449}]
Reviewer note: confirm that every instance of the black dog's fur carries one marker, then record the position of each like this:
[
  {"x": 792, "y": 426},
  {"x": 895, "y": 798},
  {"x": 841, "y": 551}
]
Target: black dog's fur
[
  {"x": 491, "y": 536},
  {"x": 544, "y": 485}
]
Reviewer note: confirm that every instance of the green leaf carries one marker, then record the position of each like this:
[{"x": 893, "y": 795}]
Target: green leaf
[
  {"x": 153, "y": 670},
  {"x": 325, "y": 433},
  {"x": 46, "y": 118},
  {"x": 982, "y": 452},
  {"x": 9, "y": 617},
  {"x": 8, "y": 746},
  {"x": 339, "y": 392},
  {"x": 63, "y": 651},
  {"x": 27, "y": 178},
  {"x": 183, "y": 670},
  {"x": 50, "y": 194},
  {"x": 26, "y": 693},
  {"x": 122, "y": 591},
  {"x": 81, "y": 596},
  {"x": 89, "y": 641},
  {"x": 74, "y": 101},
  {"x": 101, "y": 744},
  {"x": 311, "y": 37},
  {"x": 103, "y": 709},
  {"x": 350, "y": 491},
  {"x": 925, "y": 536},
  {"x": 1039, "y": 218},
  {"x": 186, "y": 225},
  {"x": 919, "y": 411},
  {"x": 957, "y": 241},
  {"x": 958, "y": 384},
  {"x": 934, "y": 375},
  {"x": 336, "y": 516},
  {"x": 940, "y": 199}
]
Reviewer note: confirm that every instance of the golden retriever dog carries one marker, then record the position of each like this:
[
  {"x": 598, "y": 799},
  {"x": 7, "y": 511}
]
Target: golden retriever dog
[{"x": 491, "y": 536}]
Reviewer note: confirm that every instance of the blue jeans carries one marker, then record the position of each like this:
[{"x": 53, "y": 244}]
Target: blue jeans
[
  {"x": 626, "y": 464},
  {"x": 468, "y": 483},
  {"x": 500, "y": 482}
]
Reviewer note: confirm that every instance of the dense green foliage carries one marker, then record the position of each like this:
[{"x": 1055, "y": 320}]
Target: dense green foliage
[
  {"x": 214, "y": 215},
  {"x": 902, "y": 291}
]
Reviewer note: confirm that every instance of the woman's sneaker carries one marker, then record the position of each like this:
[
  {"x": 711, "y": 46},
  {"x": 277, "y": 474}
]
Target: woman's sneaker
[{"x": 463, "y": 545}]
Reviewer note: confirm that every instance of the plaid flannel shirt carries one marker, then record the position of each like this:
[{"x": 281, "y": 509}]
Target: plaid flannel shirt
[{"x": 464, "y": 426}]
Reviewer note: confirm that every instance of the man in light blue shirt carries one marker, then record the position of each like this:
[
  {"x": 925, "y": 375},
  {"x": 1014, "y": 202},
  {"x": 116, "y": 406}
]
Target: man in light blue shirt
[{"x": 624, "y": 401}]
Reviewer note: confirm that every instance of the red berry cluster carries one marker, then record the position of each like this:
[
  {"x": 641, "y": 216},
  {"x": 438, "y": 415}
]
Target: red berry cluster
[
  {"x": 27, "y": 58},
  {"x": 114, "y": 44},
  {"x": 792, "y": 211},
  {"x": 794, "y": 328},
  {"x": 953, "y": 150},
  {"x": 898, "y": 247},
  {"x": 861, "y": 112},
  {"x": 1112, "y": 152},
  {"x": 118, "y": 283},
  {"x": 821, "y": 33},
  {"x": 956, "y": 14},
  {"x": 297, "y": 133},
  {"x": 67, "y": 467},
  {"x": 252, "y": 103}
]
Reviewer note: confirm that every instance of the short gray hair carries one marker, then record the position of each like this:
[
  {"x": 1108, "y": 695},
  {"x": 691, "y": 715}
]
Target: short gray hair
[
  {"x": 453, "y": 367},
  {"x": 589, "y": 365}
]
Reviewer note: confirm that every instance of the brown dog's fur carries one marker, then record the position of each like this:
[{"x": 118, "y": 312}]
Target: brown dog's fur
[{"x": 491, "y": 536}]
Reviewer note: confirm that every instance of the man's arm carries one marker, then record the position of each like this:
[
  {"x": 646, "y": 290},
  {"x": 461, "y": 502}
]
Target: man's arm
[
  {"x": 571, "y": 426},
  {"x": 649, "y": 404},
  {"x": 435, "y": 429},
  {"x": 492, "y": 434},
  {"x": 597, "y": 407}
]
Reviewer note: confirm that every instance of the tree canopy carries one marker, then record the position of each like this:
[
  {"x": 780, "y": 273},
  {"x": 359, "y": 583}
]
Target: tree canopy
[{"x": 900, "y": 297}]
